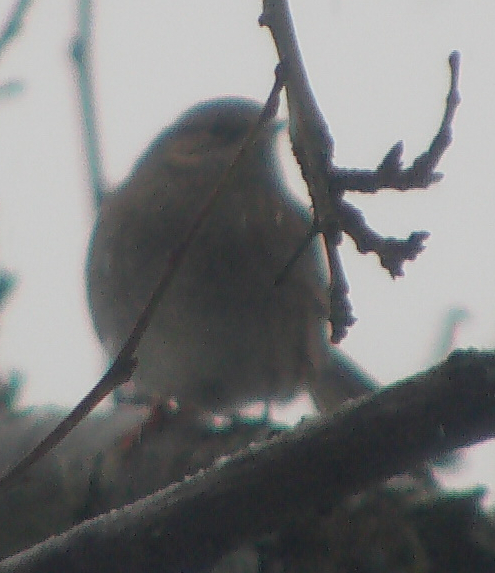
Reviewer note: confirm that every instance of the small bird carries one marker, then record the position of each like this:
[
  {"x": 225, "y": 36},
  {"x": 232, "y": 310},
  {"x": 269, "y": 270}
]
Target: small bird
[{"x": 224, "y": 333}]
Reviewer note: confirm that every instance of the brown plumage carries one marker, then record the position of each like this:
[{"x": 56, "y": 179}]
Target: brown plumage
[{"x": 223, "y": 333}]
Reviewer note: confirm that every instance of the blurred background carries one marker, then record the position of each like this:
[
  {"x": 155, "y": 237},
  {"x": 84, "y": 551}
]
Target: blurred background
[{"x": 379, "y": 71}]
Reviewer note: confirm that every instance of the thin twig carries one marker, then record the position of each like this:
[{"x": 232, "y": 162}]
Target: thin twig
[
  {"x": 81, "y": 57},
  {"x": 391, "y": 252},
  {"x": 285, "y": 272},
  {"x": 125, "y": 362},
  {"x": 421, "y": 174},
  {"x": 14, "y": 24},
  {"x": 117, "y": 374},
  {"x": 121, "y": 370}
]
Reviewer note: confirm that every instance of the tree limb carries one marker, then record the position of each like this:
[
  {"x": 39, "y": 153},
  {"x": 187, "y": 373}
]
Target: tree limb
[{"x": 189, "y": 526}]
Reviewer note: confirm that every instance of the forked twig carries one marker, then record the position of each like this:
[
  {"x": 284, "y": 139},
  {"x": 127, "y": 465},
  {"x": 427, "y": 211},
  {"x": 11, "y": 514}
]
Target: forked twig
[{"x": 313, "y": 147}]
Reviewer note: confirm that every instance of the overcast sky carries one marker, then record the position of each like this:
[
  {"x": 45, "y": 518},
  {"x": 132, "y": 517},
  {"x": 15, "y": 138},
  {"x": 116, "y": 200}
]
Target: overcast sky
[{"x": 379, "y": 71}]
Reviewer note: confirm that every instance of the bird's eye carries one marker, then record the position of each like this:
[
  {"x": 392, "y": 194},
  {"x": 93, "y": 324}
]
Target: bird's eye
[{"x": 227, "y": 134}]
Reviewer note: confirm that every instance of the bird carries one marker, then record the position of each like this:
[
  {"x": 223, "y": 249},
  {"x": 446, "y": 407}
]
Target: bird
[{"x": 225, "y": 332}]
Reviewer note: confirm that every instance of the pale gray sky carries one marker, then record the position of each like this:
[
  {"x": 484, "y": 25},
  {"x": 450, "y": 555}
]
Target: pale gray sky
[{"x": 379, "y": 70}]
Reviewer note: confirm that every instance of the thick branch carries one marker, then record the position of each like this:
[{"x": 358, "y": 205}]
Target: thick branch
[{"x": 190, "y": 525}]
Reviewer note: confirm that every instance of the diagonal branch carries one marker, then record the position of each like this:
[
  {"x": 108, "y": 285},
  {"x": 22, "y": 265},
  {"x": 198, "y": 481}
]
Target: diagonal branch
[
  {"x": 189, "y": 526},
  {"x": 14, "y": 23},
  {"x": 125, "y": 362}
]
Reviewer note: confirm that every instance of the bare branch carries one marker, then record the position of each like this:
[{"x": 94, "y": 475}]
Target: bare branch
[
  {"x": 189, "y": 526},
  {"x": 117, "y": 374},
  {"x": 421, "y": 174},
  {"x": 313, "y": 146},
  {"x": 80, "y": 54},
  {"x": 125, "y": 362},
  {"x": 14, "y": 24},
  {"x": 392, "y": 252}
]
